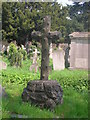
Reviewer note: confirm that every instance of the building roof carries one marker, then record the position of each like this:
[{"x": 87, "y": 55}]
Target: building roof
[{"x": 80, "y": 35}]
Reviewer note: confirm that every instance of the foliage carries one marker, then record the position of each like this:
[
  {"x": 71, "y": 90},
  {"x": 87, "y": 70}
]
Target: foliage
[
  {"x": 71, "y": 79},
  {"x": 24, "y": 53},
  {"x": 15, "y": 56},
  {"x": 12, "y": 54},
  {"x": 79, "y": 13},
  {"x": 32, "y": 49},
  {"x": 19, "y": 19},
  {"x": 75, "y": 103}
]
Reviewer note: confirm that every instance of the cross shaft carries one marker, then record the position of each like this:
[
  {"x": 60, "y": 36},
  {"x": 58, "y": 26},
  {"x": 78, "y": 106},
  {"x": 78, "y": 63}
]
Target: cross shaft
[{"x": 45, "y": 37}]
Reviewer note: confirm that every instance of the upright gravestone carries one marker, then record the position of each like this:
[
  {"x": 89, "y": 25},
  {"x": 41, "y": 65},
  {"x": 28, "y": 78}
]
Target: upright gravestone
[
  {"x": 51, "y": 51},
  {"x": 58, "y": 59},
  {"x": 44, "y": 93},
  {"x": 80, "y": 42},
  {"x": 3, "y": 65}
]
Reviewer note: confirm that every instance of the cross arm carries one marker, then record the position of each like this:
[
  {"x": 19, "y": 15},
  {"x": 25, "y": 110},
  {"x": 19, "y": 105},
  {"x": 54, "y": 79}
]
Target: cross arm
[
  {"x": 54, "y": 35},
  {"x": 36, "y": 35}
]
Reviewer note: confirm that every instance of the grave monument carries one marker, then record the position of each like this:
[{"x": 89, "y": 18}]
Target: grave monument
[
  {"x": 34, "y": 66},
  {"x": 58, "y": 59},
  {"x": 44, "y": 93},
  {"x": 79, "y": 55}
]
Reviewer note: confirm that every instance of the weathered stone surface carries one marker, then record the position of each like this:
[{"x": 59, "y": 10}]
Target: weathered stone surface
[
  {"x": 45, "y": 93},
  {"x": 79, "y": 50},
  {"x": 58, "y": 59},
  {"x": 3, "y": 65}
]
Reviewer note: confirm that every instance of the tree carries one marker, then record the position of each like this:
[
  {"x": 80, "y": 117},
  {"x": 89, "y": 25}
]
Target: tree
[
  {"x": 20, "y": 19},
  {"x": 79, "y": 13}
]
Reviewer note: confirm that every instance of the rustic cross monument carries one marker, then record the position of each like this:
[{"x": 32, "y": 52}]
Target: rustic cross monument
[{"x": 44, "y": 92}]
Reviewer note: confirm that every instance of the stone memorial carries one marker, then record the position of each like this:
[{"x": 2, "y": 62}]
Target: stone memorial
[
  {"x": 58, "y": 59},
  {"x": 60, "y": 56},
  {"x": 3, "y": 65},
  {"x": 51, "y": 51},
  {"x": 44, "y": 93},
  {"x": 34, "y": 66},
  {"x": 80, "y": 42}
]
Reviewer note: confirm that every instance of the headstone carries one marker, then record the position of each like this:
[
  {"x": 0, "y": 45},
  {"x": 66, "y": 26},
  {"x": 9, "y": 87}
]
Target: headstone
[
  {"x": 34, "y": 66},
  {"x": 80, "y": 41},
  {"x": 35, "y": 56},
  {"x": 51, "y": 51},
  {"x": 3, "y": 48},
  {"x": 45, "y": 93},
  {"x": 3, "y": 65},
  {"x": 66, "y": 49},
  {"x": 58, "y": 59}
]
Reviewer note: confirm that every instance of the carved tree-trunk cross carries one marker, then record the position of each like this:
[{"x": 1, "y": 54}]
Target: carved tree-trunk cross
[{"x": 46, "y": 35}]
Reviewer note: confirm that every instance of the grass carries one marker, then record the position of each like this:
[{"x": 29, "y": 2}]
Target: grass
[{"x": 75, "y": 99}]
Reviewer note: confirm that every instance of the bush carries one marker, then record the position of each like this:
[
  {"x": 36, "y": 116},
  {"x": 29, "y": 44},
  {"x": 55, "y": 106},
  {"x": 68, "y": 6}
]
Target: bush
[
  {"x": 18, "y": 78},
  {"x": 15, "y": 56},
  {"x": 24, "y": 54},
  {"x": 12, "y": 54},
  {"x": 76, "y": 80}
]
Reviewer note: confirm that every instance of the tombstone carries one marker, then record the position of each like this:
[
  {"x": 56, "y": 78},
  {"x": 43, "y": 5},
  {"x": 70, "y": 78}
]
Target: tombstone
[
  {"x": 58, "y": 59},
  {"x": 22, "y": 46},
  {"x": 3, "y": 65},
  {"x": 44, "y": 93},
  {"x": 34, "y": 66},
  {"x": 80, "y": 42},
  {"x": 3, "y": 48},
  {"x": 51, "y": 51},
  {"x": 66, "y": 49}
]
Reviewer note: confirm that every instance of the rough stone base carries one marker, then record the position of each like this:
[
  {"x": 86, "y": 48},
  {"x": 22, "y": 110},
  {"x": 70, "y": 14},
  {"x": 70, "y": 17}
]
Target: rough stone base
[{"x": 43, "y": 93}]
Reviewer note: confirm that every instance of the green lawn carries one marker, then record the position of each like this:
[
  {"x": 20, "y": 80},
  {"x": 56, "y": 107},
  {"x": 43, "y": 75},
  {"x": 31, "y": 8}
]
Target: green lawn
[{"x": 75, "y": 93}]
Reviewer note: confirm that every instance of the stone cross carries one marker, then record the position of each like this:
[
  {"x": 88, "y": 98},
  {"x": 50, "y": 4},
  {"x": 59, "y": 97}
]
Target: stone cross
[{"x": 46, "y": 36}]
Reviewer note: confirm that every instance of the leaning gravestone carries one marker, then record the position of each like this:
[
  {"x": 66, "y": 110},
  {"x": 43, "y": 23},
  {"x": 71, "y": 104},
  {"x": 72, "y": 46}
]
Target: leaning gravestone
[{"x": 44, "y": 93}]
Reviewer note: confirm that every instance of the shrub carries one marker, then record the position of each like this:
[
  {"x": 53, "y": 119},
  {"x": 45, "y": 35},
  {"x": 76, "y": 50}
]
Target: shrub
[
  {"x": 71, "y": 79},
  {"x": 12, "y": 54},
  {"x": 24, "y": 54},
  {"x": 19, "y": 59},
  {"x": 15, "y": 56}
]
